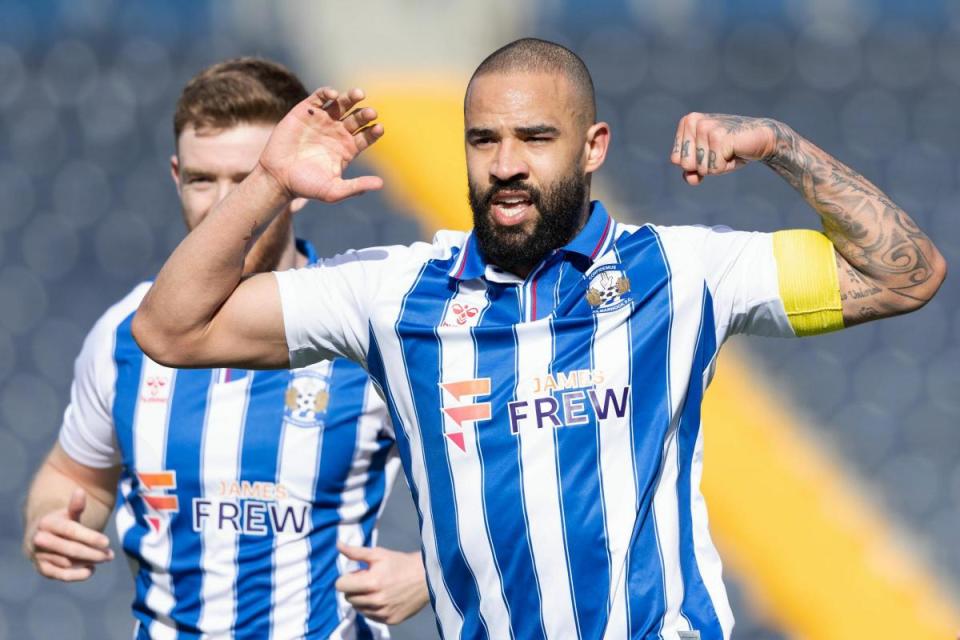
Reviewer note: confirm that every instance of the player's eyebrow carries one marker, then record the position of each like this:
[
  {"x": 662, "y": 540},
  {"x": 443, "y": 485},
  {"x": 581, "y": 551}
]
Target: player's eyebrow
[
  {"x": 480, "y": 132},
  {"x": 187, "y": 172},
  {"x": 536, "y": 130}
]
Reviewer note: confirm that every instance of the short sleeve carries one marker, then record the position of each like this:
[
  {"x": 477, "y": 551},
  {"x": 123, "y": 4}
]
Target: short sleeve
[
  {"x": 326, "y": 306},
  {"x": 741, "y": 274},
  {"x": 87, "y": 434},
  {"x": 739, "y": 271}
]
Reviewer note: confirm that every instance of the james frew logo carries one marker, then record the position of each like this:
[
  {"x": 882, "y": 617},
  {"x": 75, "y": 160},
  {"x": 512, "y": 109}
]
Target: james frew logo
[
  {"x": 153, "y": 493},
  {"x": 464, "y": 392},
  {"x": 555, "y": 400}
]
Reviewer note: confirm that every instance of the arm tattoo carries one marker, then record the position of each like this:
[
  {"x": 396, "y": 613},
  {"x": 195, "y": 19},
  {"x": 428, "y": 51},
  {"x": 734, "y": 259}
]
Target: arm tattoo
[{"x": 875, "y": 236}]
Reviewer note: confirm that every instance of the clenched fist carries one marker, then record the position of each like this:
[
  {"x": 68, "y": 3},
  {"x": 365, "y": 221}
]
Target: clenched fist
[{"x": 715, "y": 143}]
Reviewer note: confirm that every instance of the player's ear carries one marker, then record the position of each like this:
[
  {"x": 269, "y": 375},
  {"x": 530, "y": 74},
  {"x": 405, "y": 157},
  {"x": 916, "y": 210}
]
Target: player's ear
[
  {"x": 595, "y": 148},
  {"x": 297, "y": 204},
  {"x": 175, "y": 171}
]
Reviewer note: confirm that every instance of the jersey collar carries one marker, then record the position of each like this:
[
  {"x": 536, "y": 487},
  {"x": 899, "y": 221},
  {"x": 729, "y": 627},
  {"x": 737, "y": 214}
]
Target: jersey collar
[{"x": 591, "y": 242}]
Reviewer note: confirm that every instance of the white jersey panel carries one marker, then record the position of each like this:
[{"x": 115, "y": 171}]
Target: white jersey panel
[
  {"x": 87, "y": 433},
  {"x": 741, "y": 273},
  {"x": 327, "y": 307},
  {"x": 458, "y": 362}
]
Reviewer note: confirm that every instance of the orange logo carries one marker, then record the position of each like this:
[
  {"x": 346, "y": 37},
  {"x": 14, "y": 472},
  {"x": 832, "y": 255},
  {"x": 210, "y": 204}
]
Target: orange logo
[
  {"x": 465, "y": 413},
  {"x": 153, "y": 493}
]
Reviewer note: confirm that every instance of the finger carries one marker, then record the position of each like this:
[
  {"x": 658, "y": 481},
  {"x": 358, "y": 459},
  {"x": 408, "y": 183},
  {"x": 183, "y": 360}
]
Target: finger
[
  {"x": 52, "y": 558},
  {"x": 677, "y": 142},
  {"x": 359, "y": 118},
  {"x": 727, "y": 161},
  {"x": 703, "y": 147},
  {"x": 344, "y": 103},
  {"x": 688, "y": 157},
  {"x": 76, "y": 531},
  {"x": 356, "y": 583},
  {"x": 358, "y": 553},
  {"x": 78, "y": 502},
  {"x": 323, "y": 98},
  {"x": 367, "y": 136},
  {"x": 74, "y": 551},
  {"x": 692, "y": 178},
  {"x": 367, "y": 601},
  {"x": 74, "y": 574}
]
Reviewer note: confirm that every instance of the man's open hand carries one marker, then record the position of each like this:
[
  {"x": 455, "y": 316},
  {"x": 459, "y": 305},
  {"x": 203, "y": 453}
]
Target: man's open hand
[
  {"x": 316, "y": 141},
  {"x": 63, "y": 549},
  {"x": 392, "y": 588},
  {"x": 714, "y": 143}
]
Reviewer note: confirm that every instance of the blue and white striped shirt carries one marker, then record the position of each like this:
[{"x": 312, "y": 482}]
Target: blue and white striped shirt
[
  {"x": 235, "y": 485},
  {"x": 549, "y": 426}
]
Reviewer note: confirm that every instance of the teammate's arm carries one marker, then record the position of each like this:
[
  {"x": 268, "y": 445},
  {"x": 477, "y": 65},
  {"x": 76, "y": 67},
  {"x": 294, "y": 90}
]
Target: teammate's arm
[
  {"x": 67, "y": 508},
  {"x": 886, "y": 264},
  {"x": 201, "y": 312},
  {"x": 392, "y": 588}
]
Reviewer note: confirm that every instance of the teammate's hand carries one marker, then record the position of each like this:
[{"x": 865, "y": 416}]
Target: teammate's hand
[
  {"x": 63, "y": 549},
  {"x": 392, "y": 588},
  {"x": 714, "y": 143},
  {"x": 311, "y": 147}
]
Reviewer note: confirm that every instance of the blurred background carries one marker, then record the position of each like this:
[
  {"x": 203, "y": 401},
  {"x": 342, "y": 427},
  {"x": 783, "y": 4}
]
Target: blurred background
[{"x": 833, "y": 463}]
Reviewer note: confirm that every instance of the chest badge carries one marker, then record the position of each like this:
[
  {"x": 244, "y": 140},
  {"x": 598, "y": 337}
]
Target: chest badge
[
  {"x": 608, "y": 288},
  {"x": 306, "y": 399}
]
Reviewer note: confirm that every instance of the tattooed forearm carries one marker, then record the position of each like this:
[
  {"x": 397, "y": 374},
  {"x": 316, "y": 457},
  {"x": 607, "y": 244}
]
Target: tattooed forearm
[{"x": 890, "y": 261}]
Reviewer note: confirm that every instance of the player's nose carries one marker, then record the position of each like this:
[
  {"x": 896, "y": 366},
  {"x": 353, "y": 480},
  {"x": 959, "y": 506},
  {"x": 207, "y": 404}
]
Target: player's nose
[{"x": 508, "y": 163}]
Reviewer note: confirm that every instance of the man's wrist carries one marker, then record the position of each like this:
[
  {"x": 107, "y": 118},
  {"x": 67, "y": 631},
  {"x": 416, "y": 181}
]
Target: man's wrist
[
  {"x": 264, "y": 181},
  {"x": 783, "y": 145}
]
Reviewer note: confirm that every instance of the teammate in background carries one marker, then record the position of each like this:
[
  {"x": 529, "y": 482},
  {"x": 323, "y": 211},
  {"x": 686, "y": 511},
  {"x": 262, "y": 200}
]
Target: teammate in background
[
  {"x": 545, "y": 371},
  {"x": 236, "y": 487}
]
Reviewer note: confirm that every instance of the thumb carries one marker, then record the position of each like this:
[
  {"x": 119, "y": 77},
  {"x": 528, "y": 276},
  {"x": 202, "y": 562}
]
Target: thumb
[
  {"x": 78, "y": 502},
  {"x": 360, "y": 554},
  {"x": 343, "y": 189}
]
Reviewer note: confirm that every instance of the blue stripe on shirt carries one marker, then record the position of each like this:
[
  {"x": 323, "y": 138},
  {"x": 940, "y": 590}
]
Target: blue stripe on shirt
[
  {"x": 578, "y": 466},
  {"x": 339, "y": 439},
  {"x": 129, "y": 362},
  {"x": 697, "y": 605},
  {"x": 648, "y": 335},
  {"x": 259, "y": 459},
  {"x": 496, "y": 348},
  {"x": 423, "y": 310},
  {"x": 188, "y": 408}
]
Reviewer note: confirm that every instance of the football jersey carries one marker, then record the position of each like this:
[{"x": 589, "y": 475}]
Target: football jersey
[
  {"x": 236, "y": 485},
  {"x": 549, "y": 426}
]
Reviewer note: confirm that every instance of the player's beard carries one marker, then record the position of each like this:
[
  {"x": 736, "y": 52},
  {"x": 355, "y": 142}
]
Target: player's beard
[
  {"x": 267, "y": 252},
  {"x": 519, "y": 248}
]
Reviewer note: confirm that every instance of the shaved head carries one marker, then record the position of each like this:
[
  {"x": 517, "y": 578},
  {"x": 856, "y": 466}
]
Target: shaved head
[{"x": 532, "y": 55}]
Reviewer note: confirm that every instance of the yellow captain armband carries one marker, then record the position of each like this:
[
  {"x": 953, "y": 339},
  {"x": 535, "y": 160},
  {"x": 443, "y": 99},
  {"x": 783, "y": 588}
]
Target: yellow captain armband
[{"x": 808, "y": 279}]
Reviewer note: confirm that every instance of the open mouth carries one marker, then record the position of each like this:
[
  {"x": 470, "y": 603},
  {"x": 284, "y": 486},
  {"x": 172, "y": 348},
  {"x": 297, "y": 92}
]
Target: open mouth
[{"x": 511, "y": 207}]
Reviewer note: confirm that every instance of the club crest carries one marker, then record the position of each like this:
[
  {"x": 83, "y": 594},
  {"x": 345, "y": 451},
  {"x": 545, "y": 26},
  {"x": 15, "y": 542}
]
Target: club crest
[
  {"x": 306, "y": 399},
  {"x": 608, "y": 288}
]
